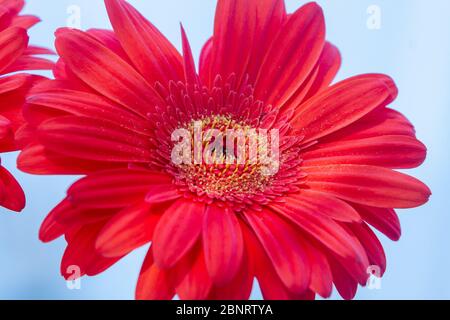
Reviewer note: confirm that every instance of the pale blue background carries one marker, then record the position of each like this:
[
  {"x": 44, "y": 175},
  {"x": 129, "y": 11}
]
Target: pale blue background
[{"x": 413, "y": 46}]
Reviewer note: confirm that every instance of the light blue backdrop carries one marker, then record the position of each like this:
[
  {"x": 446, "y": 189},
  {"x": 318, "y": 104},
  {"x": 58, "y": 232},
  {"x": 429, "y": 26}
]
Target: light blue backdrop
[{"x": 413, "y": 46}]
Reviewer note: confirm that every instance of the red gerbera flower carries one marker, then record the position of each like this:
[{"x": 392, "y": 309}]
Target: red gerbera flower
[
  {"x": 118, "y": 97},
  {"x": 15, "y": 55}
]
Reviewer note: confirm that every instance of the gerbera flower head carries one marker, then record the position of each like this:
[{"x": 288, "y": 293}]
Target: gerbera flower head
[
  {"x": 115, "y": 112},
  {"x": 15, "y": 56}
]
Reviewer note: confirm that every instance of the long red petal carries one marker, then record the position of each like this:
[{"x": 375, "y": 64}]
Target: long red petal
[
  {"x": 271, "y": 15},
  {"x": 13, "y": 42},
  {"x": 325, "y": 230},
  {"x": 293, "y": 55},
  {"x": 11, "y": 194},
  {"x": 396, "y": 152},
  {"x": 383, "y": 219},
  {"x": 190, "y": 72},
  {"x": 284, "y": 247},
  {"x": 114, "y": 188},
  {"x": 234, "y": 32},
  {"x": 371, "y": 244},
  {"x": 129, "y": 229},
  {"x": 152, "y": 54},
  {"x": 343, "y": 104},
  {"x": 154, "y": 283},
  {"x": 177, "y": 231},
  {"x": 105, "y": 71},
  {"x": 328, "y": 66},
  {"x": 197, "y": 284},
  {"x": 96, "y": 140},
  {"x": 321, "y": 203},
  {"x": 80, "y": 252},
  {"x": 368, "y": 185},
  {"x": 223, "y": 244}
]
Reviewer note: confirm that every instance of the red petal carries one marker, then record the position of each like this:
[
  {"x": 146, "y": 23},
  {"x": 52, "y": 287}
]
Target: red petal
[
  {"x": 326, "y": 205},
  {"x": 81, "y": 252},
  {"x": 321, "y": 275},
  {"x": 5, "y": 128},
  {"x": 345, "y": 284},
  {"x": 271, "y": 15},
  {"x": 197, "y": 284},
  {"x": 292, "y": 56},
  {"x": 154, "y": 283},
  {"x": 15, "y": 6},
  {"x": 35, "y": 159},
  {"x": 109, "y": 39},
  {"x": 385, "y": 220},
  {"x": 160, "y": 193},
  {"x": 152, "y": 54},
  {"x": 189, "y": 65},
  {"x": 328, "y": 66},
  {"x": 13, "y": 42},
  {"x": 325, "y": 230},
  {"x": 380, "y": 122},
  {"x": 343, "y": 104},
  {"x": 11, "y": 83},
  {"x": 234, "y": 31},
  {"x": 285, "y": 248},
  {"x": 26, "y": 63},
  {"x": 59, "y": 101},
  {"x": 35, "y": 50},
  {"x": 129, "y": 229},
  {"x": 239, "y": 288},
  {"x": 114, "y": 188},
  {"x": 371, "y": 244},
  {"x": 272, "y": 288},
  {"x": 11, "y": 194},
  {"x": 372, "y": 186},
  {"x": 397, "y": 152},
  {"x": 223, "y": 244},
  {"x": 177, "y": 231},
  {"x": 65, "y": 217},
  {"x": 205, "y": 61},
  {"x": 93, "y": 139},
  {"x": 16, "y": 87},
  {"x": 25, "y": 21},
  {"x": 105, "y": 71}
]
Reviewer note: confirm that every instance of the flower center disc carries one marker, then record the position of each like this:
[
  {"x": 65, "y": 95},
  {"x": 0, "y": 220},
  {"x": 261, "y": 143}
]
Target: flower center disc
[{"x": 224, "y": 160}]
